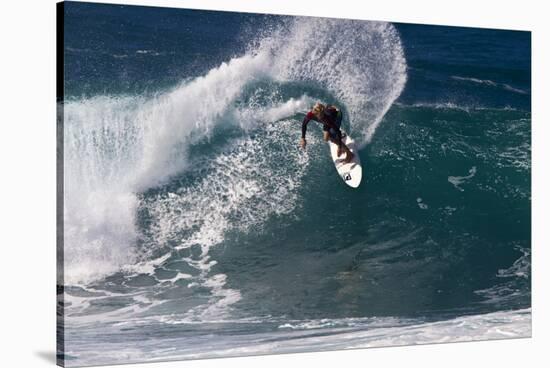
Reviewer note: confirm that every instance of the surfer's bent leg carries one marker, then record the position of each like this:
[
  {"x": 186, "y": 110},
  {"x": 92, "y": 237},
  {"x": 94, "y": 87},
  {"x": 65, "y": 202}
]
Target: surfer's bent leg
[
  {"x": 334, "y": 134},
  {"x": 341, "y": 145},
  {"x": 335, "y": 137},
  {"x": 337, "y": 133}
]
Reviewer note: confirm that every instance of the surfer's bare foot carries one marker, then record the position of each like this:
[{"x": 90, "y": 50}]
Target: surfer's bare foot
[
  {"x": 339, "y": 152},
  {"x": 349, "y": 158}
]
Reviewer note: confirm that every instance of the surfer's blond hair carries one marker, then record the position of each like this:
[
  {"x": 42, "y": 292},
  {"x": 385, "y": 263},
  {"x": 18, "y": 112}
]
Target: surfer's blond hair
[{"x": 318, "y": 108}]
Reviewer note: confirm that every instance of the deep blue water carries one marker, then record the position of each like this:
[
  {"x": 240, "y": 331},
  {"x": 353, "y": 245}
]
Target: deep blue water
[{"x": 193, "y": 218}]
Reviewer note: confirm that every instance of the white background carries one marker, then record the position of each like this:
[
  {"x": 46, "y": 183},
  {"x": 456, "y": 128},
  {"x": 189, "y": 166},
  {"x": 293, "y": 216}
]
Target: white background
[{"x": 27, "y": 181}]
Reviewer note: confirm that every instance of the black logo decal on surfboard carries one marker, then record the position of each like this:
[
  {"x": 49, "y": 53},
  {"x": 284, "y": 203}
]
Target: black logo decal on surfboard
[{"x": 346, "y": 176}]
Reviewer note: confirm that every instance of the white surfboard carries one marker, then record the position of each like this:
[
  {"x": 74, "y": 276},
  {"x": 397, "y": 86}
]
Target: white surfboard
[{"x": 350, "y": 172}]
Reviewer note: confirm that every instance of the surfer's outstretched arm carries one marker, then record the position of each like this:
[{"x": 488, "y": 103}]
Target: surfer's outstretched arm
[{"x": 307, "y": 118}]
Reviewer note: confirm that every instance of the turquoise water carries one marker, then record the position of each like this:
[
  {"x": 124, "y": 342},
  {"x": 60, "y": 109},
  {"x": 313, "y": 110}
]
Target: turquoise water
[{"x": 196, "y": 227}]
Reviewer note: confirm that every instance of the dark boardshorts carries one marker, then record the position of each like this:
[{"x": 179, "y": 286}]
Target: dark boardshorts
[{"x": 336, "y": 134}]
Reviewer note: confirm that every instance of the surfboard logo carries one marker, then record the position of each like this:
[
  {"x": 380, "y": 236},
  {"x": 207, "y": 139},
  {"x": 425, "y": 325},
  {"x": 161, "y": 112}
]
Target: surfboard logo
[{"x": 346, "y": 176}]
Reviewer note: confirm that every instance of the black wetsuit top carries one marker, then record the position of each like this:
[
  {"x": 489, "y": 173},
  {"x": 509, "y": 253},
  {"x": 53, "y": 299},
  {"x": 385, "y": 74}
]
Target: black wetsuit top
[{"x": 331, "y": 120}]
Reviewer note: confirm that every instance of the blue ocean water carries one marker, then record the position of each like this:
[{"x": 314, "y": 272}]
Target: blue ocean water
[{"x": 195, "y": 226}]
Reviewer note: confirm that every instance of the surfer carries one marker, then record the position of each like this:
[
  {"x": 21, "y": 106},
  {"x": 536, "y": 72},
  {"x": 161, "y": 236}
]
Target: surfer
[{"x": 331, "y": 118}]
